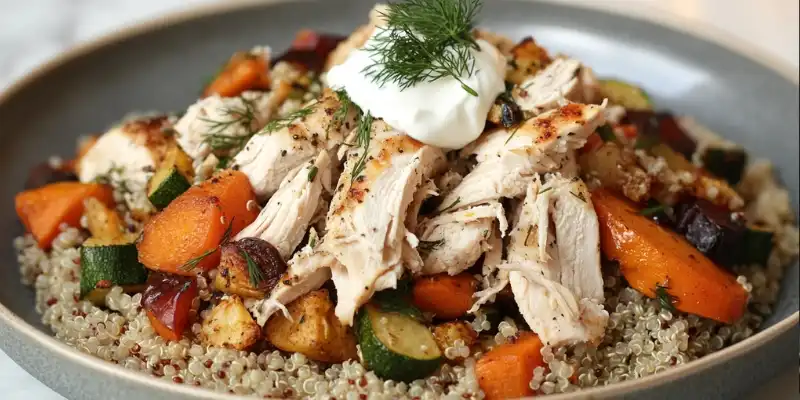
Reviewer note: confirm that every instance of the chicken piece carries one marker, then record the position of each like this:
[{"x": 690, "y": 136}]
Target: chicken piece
[
  {"x": 527, "y": 58},
  {"x": 425, "y": 192},
  {"x": 230, "y": 325},
  {"x": 267, "y": 158},
  {"x": 126, "y": 157},
  {"x": 454, "y": 241},
  {"x": 357, "y": 39},
  {"x": 554, "y": 263},
  {"x": 308, "y": 270},
  {"x": 366, "y": 222},
  {"x": 494, "y": 279},
  {"x": 509, "y": 159},
  {"x": 549, "y": 86},
  {"x": 312, "y": 329},
  {"x": 285, "y": 219},
  {"x": 222, "y": 124}
]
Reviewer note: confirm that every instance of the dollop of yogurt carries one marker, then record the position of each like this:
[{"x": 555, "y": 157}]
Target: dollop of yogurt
[{"x": 439, "y": 113}]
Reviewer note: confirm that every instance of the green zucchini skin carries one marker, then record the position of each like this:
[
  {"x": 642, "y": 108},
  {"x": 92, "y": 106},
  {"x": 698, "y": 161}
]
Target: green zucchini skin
[
  {"x": 757, "y": 245},
  {"x": 625, "y": 94},
  {"x": 384, "y": 362},
  {"x": 173, "y": 185},
  {"x": 117, "y": 264}
]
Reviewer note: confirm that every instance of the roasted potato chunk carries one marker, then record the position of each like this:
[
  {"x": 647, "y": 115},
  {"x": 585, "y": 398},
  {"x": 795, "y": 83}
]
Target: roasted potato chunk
[
  {"x": 447, "y": 333},
  {"x": 103, "y": 222},
  {"x": 718, "y": 192},
  {"x": 230, "y": 325},
  {"x": 527, "y": 58},
  {"x": 234, "y": 275},
  {"x": 313, "y": 330},
  {"x": 616, "y": 168}
]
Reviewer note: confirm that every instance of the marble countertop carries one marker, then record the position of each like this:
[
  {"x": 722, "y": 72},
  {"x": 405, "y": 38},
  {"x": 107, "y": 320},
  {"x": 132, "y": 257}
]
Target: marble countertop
[{"x": 33, "y": 31}]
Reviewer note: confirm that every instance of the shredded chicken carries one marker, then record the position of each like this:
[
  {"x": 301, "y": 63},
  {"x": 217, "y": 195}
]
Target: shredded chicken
[
  {"x": 366, "y": 221},
  {"x": 554, "y": 263},
  {"x": 268, "y": 157},
  {"x": 285, "y": 219},
  {"x": 543, "y": 91},
  {"x": 509, "y": 159},
  {"x": 454, "y": 241}
]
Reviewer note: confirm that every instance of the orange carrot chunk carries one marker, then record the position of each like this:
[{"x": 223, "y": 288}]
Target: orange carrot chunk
[
  {"x": 448, "y": 297},
  {"x": 244, "y": 71},
  {"x": 43, "y": 210},
  {"x": 505, "y": 372},
  {"x": 234, "y": 191},
  {"x": 652, "y": 258}
]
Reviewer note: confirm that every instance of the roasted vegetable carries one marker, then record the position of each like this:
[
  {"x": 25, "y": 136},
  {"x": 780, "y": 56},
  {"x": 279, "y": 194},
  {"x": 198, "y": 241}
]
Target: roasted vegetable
[
  {"x": 43, "y": 210},
  {"x": 713, "y": 230},
  {"x": 625, "y": 94},
  {"x": 659, "y": 213},
  {"x": 185, "y": 235},
  {"x": 168, "y": 301},
  {"x": 616, "y": 167},
  {"x": 661, "y": 127},
  {"x": 230, "y": 325},
  {"x": 103, "y": 222},
  {"x": 527, "y": 58},
  {"x": 505, "y": 112},
  {"x": 249, "y": 267},
  {"x": 447, "y": 297},
  {"x": 448, "y": 333},
  {"x": 45, "y": 174},
  {"x": 650, "y": 255},
  {"x": 718, "y": 192},
  {"x": 310, "y": 50},
  {"x": 244, "y": 71},
  {"x": 727, "y": 164},
  {"x": 313, "y": 330},
  {"x": 172, "y": 178},
  {"x": 396, "y": 346},
  {"x": 757, "y": 245},
  {"x": 110, "y": 262},
  {"x": 505, "y": 372}
]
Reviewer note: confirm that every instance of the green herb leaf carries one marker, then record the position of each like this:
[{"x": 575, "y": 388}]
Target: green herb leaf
[
  {"x": 650, "y": 211},
  {"x": 423, "y": 41},
  {"x": 253, "y": 269},
  {"x": 312, "y": 173},
  {"x": 363, "y": 137},
  {"x": 192, "y": 264},
  {"x": 426, "y": 246},
  {"x": 280, "y": 123},
  {"x": 666, "y": 300},
  {"x": 453, "y": 204},
  {"x": 217, "y": 136}
]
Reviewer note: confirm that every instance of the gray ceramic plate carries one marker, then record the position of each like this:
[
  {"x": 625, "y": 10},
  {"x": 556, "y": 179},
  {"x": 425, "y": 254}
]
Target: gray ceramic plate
[{"x": 738, "y": 92}]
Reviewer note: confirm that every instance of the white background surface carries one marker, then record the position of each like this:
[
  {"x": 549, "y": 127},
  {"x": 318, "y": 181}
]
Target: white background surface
[{"x": 32, "y": 31}]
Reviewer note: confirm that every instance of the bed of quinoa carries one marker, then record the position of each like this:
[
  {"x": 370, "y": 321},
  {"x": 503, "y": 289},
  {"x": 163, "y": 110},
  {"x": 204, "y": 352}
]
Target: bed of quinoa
[{"x": 641, "y": 338}]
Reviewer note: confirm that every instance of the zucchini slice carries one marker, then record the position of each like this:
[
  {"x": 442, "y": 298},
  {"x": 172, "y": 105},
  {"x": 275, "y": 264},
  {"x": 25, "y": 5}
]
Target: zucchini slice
[
  {"x": 109, "y": 263},
  {"x": 757, "y": 245},
  {"x": 395, "y": 345},
  {"x": 172, "y": 178},
  {"x": 725, "y": 163},
  {"x": 625, "y": 94}
]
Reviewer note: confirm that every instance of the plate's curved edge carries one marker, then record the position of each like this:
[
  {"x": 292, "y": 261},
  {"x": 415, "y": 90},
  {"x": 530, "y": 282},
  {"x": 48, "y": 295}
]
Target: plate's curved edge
[{"x": 670, "y": 21}]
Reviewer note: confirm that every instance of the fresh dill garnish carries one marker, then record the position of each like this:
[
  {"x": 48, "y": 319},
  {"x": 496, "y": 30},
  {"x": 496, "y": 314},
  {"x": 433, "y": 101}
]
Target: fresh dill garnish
[
  {"x": 345, "y": 104},
  {"x": 426, "y": 246},
  {"x": 312, "y": 241},
  {"x": 280, "y": 123},
  {"x": 666, "y": 300},
  {"x": 312, "y": 173},
  {"x": 363, "y": 136},
  {"x": 192, "y": 264},
  {"x": 253, "y": 269},
  {"x": 650, "y": 211},
  {"x": 217, "y": 136},
  {"x": 545, "y": 190},
  {"x": 113, "y": 177},
  {"x": 528, "y": 235},
  {"x": 514, "y": 132},
  {"x": 453, "y": 204},
  {"x": 578, "y": 196},
  {"x": 423, "y": 41}
]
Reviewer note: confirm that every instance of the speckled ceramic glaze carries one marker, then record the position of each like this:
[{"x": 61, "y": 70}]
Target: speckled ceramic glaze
[{"x": 736, "y": 91}]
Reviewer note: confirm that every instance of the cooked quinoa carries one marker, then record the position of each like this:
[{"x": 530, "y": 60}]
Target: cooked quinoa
[{"x": 642, "y": 335}]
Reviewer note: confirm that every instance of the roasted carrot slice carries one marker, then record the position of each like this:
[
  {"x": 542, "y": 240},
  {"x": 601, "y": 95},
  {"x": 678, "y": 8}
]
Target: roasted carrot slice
[
  {"x": 183, "y": 238},
  {"x": 234, "y": 191},
  {"x": 505, "y": 372},
  {"x": 652, "y": 258},
  {"x": 448, "y": 297},
  {"x": 44, "y": 209},
  {"x": 244, "y": 71}
]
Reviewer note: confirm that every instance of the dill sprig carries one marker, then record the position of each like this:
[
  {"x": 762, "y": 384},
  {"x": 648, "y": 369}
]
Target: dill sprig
[
  {"x": 363, "y": 136},
  {"x": 280, "y": 123},
  {"x": 423, "y": 41},
  {"x": 192, "y": 264},
  {"x": 217, "y": 137},
  {"x": 666, "y": 300},
  {"x": 312, "y": 173},
  {"x": 452, "y": 205},
  {"x": 426, "y": 246},
  {"x": 253, "y": 269},
  {"x": 345, "y": 104}
]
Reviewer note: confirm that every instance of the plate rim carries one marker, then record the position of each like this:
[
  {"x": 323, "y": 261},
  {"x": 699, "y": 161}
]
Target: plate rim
[{"x": 696, "y": 29}]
